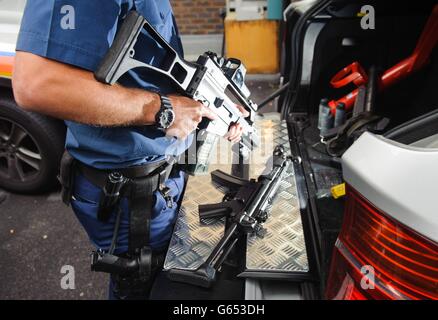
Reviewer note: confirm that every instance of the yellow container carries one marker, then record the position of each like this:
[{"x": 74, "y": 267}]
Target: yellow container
[{"x": 255, "y": 43}]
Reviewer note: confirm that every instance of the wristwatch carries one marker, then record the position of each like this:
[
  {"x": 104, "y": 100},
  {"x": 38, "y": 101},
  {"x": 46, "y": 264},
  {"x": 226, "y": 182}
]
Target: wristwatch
[{"x": 165, "y": 116}]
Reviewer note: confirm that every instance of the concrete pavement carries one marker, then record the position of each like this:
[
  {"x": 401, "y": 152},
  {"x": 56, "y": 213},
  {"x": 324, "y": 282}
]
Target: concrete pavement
[{"x": 38, "y": 236}]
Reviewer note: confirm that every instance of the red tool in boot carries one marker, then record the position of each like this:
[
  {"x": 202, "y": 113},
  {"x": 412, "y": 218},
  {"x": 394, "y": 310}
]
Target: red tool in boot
[{"x": 354, "y": 73}]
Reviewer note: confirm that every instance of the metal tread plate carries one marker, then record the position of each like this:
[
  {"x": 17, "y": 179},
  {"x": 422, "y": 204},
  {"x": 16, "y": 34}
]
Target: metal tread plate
[{"x": 283, "y": 247}]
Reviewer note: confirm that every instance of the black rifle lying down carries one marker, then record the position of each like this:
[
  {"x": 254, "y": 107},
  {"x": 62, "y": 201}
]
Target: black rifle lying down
[
  {"x": 214, "y": 81},
  {"x": 246, "y": 210}
]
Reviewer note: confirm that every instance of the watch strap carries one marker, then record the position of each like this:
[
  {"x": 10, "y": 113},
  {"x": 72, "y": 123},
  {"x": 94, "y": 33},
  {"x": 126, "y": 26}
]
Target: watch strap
[{"x": 166, "y": 105}]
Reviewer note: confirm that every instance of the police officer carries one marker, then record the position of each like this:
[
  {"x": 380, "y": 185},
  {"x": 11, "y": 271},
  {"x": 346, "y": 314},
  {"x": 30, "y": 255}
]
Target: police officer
[{"x": 60, "y": 45}]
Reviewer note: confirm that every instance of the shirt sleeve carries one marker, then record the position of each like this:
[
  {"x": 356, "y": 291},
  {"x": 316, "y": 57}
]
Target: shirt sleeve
[{"x": 76, "y": 32}]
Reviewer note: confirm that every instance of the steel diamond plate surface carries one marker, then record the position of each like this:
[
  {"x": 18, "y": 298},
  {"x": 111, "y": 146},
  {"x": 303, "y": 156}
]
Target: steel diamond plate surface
[{"x": 281, "y": 250}]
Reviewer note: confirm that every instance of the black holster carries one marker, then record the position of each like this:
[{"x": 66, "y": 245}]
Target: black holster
[
  {"x": 131, "y": 287},
  {"x": 66, "y": 177}
]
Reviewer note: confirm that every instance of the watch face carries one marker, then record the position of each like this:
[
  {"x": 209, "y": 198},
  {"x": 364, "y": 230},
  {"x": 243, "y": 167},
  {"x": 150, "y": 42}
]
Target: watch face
[{"x": 166, "y": 118}]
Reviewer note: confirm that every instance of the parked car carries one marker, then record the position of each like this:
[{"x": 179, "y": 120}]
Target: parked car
[
  {"x": 385, "y": 231},
  {"x": 31, "y": 144}
]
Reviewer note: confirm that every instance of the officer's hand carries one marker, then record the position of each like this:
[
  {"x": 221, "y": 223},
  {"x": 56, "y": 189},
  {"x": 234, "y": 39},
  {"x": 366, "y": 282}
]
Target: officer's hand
[
  {"x": 188, "y": 114},
  {"x": 235, "y": 132}
]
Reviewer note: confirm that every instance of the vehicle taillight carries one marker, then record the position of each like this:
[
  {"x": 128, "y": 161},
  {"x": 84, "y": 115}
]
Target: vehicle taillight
[{"x": 376, "y": 257}]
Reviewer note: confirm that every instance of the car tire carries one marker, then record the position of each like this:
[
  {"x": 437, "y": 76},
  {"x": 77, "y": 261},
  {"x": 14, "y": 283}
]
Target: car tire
[{"x": 31, "y": 147}]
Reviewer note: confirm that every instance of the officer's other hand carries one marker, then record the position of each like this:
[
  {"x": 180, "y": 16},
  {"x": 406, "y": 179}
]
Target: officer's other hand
[
  {"x": 188, "y": 114},
  {"x": 235, "y": 133}
]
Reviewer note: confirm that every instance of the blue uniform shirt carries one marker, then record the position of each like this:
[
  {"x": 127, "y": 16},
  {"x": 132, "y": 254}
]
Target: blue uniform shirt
[
  {"x": 79, "y": 33},
  {"x": 95, "y": 22}
]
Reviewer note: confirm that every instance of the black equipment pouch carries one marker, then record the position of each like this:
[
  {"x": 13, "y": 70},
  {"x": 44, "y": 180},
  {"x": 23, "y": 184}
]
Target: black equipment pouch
[
  {"x": 66, "y": 177},
  {"x": 110, "y": 197}
]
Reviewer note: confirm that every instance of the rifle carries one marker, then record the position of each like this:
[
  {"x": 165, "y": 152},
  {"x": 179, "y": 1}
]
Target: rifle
[
  {"x": 246, "y": 209},
  {"x": 211, "y": 80}
]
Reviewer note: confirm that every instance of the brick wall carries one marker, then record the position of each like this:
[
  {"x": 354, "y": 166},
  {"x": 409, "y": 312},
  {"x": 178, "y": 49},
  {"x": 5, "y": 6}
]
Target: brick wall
[{"x": 198, "y": 16}]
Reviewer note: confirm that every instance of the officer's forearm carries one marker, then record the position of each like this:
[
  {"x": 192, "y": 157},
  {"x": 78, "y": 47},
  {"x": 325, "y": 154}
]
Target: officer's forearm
[{"x": 69, "y": 93}]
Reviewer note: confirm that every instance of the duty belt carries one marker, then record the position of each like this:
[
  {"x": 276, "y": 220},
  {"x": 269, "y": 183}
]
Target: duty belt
[
  {"x": 98, "y": 177},
  {"x": 138, "y": 184}
]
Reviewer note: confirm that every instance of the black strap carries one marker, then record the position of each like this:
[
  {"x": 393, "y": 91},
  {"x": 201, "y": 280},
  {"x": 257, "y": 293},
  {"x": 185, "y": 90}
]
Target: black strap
[
  {"x": 336, "y": 146},
  {"x": 141, "y": 203}
]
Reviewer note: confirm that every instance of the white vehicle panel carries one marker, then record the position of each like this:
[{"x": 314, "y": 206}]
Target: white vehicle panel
[
  {"x": 11, "y": 12},
  {"x": 400, "y": 180}
]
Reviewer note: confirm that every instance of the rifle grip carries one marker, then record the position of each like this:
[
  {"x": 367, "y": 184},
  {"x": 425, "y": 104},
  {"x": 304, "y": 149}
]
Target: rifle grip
[{"x": 211, "y": 211}]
